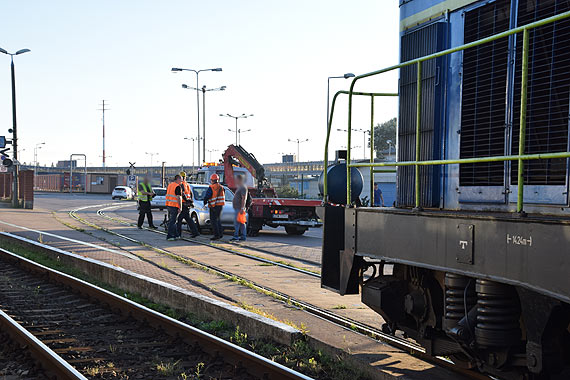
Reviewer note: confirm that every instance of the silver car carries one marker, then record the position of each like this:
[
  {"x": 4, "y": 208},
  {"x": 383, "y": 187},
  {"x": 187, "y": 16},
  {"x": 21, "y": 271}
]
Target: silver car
[{"x": 200, "y": 212}]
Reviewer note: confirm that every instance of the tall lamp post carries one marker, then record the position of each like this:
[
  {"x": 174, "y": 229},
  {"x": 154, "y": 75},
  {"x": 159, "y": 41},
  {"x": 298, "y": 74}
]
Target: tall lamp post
[
  {"x": 38, "y": 146},
  {"x": 15, "y": 202},
  {"x": 345, "y": 76},
  {"x": 192, "y": 139},
  {"x": 204, "y": 89},
  {"x": 211, "y": 151},
  {"x": 364, "y": 132},
  {"x": 238, "y": 131},
  {"x": 197, "y": 72},
  {"x": 151, "y": 156},
  {"x": 299, "y": 142}
]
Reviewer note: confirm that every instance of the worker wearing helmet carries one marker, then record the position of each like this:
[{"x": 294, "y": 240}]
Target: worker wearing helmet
[
  {"x": 216, "y": 198},
  {"x": 173, "y": 205},
  {"x": 187, "y": 202}
]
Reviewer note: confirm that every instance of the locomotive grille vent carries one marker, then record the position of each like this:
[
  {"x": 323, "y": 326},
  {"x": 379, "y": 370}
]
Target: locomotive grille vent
[
  {"x": 548, "y": 92},
  {"x": 484, "y": 95},
  {"x": 424, "y": 41}
]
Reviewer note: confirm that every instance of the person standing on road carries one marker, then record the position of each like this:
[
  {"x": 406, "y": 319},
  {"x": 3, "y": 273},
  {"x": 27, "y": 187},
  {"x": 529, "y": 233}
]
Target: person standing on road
[
  {"x": 378, "y": 198},
  {"x": 239, "y": 205},
  {"x": 145, "y": 195},
  {"x": 216, "y": 199},
  {"x": 173, "y": 205},
  {"x": 187, "y": 202}
]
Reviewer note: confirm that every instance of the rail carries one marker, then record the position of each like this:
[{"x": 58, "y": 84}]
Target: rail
[{"x": 520, "y": 157}]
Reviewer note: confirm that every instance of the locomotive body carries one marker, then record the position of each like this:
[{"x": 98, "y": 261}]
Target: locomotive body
[{"x": 459, "y": 265}]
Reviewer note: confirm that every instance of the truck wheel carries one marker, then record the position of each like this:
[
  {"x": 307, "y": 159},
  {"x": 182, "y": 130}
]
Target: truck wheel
[
  {"x": 253, "y": 229},
  {"x": 292, "y": 230}
]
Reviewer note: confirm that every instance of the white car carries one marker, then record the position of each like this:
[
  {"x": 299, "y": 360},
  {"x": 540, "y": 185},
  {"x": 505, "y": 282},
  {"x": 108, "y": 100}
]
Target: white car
[
  {"x": 122, "y": 192},
  {"x": 159, "y": 201}
]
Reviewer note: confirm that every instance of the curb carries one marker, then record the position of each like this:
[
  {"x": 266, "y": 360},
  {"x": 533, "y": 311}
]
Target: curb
[{"x": 161, "y": 292}]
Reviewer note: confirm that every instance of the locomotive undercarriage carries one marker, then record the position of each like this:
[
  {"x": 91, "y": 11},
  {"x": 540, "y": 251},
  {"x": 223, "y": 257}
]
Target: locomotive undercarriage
[
  {"x": 499, "y": 329},
  {"x": 458, "y": 285}
]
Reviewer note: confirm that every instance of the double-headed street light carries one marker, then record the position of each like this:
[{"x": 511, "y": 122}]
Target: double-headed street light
[
  {"x": 151, "y": 154},
  {"x": 299, "y": 142},
  {"x": 192, "y": 139},
  {"x": 15, "y": 202},
  {"x": 364, "y": 132},
  {"x": 203, "y": 89},
  {"x": 197, "y": 72},
  {"x": 237, "y": 130},
  {"x": 36, "y": 148}
]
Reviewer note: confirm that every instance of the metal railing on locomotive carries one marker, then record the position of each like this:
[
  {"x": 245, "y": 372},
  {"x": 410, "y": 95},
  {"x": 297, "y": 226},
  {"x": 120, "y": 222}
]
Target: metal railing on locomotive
[
  {"x": 521, "y": 157},
  {"x": 372, "y": 95}
]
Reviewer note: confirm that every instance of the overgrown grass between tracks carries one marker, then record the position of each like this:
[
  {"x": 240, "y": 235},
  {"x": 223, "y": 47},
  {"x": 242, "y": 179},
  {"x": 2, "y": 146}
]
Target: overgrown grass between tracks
[{"x": 298, "y": 356}]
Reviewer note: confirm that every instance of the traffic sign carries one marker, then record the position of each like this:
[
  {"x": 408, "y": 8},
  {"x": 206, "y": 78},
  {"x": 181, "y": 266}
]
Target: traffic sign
[
  {"x": 2, "y": 142},
  {"x": 3, "y": 169},
  {"x": 131, "y": 180}
]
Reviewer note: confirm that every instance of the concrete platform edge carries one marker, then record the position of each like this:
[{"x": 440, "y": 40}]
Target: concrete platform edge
[{"x": 254, "y": 325}]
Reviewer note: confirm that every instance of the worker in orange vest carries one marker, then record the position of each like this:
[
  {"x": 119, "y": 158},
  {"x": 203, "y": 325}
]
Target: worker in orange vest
[
  {"x": 187, "y": 203},
  {"x": 173, "y": 205},
  {"x": 216, "y": 198}
]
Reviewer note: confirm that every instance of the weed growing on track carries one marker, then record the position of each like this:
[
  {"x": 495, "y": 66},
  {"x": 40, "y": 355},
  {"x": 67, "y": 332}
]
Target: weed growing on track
[{"x": 299, "y": 356}]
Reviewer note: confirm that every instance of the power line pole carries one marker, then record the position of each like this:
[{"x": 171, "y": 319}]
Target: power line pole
[{"x": 103, "y": 109}]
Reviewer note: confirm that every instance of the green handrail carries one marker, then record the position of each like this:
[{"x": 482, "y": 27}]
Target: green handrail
[
  {"x": 521, "y": 157},
  {"x": 329, "y": 125}
]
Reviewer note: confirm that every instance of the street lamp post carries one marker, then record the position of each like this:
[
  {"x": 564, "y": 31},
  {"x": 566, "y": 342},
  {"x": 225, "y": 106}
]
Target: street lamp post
[
  {"x": 204, "y": 89},
  {"x": 238, "y": 131},
  {"x": 197, "y": 72},
  {"x": 364, "y": 132},
  {"x": 389, "y": 142},
  {"x": 212, "y": 150},
  {"x": 192, "y": 139},
  {"x": 38, "y": 146},
  {"x": 299, "y": 142},
  {"x": 345, "y": 76},
  {"x": 151, "y": 156},
  {"x": 15, "y": 201}
]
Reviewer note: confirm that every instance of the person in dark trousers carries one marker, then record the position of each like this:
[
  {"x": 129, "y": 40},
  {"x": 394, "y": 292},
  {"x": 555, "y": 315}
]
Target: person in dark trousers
[
  {"x": 378, "y": 198},
  {"x": 173, "y": 205},
  {"x": 216, "y": 198},
  {"x": 239, "y": 205},
  {"x": 187, "y": 202},
  {"x": 145, "y": 195}
]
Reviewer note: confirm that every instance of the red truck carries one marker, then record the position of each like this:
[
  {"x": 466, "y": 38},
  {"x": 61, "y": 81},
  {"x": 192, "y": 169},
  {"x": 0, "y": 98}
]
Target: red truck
[{"x": 296, "y": 215}]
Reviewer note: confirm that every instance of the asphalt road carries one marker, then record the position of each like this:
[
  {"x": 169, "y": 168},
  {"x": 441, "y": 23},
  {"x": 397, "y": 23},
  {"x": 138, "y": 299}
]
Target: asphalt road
[{"x": 306, "y": 246}]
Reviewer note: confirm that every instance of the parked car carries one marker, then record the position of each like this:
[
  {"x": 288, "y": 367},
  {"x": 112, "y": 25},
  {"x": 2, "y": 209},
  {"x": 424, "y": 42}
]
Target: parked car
[
  {"x": 122, "y": 192},
  {"x": 200, "y": 212},
  {"x": 159, "y": 201}
]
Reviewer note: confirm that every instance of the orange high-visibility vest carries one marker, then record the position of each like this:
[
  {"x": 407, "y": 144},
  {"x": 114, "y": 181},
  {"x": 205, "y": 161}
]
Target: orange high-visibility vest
[
  {"x": 187, "y": 189},
  {"x": 171, "y": 197},
  {"x": 218, "y": 195}
]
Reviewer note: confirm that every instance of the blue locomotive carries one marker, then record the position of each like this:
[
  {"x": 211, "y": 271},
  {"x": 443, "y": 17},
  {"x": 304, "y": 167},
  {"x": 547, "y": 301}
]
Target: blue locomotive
[{"x": 473, "y": 262}]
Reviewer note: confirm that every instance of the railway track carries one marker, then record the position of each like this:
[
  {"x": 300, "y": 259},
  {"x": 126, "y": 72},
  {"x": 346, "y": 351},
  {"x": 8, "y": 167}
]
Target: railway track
[
  {"x": 105, "y": 336},
  {"x": 345, "y": 322}
]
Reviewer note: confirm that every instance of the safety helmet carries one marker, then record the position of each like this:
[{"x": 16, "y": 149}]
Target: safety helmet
[
  {"x": 183, "y": 174},
  {"x": 214, "y": 177}
]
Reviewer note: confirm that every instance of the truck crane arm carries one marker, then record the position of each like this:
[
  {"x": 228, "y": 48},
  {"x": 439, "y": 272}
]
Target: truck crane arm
[{"x": 236, "y": 155}]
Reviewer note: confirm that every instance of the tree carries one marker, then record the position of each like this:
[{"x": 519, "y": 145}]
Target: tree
[{"x": 382, "y": 133}]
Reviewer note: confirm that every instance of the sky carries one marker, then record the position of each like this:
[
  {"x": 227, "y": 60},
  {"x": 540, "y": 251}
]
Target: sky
[{"x": 275, "y": 55}]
